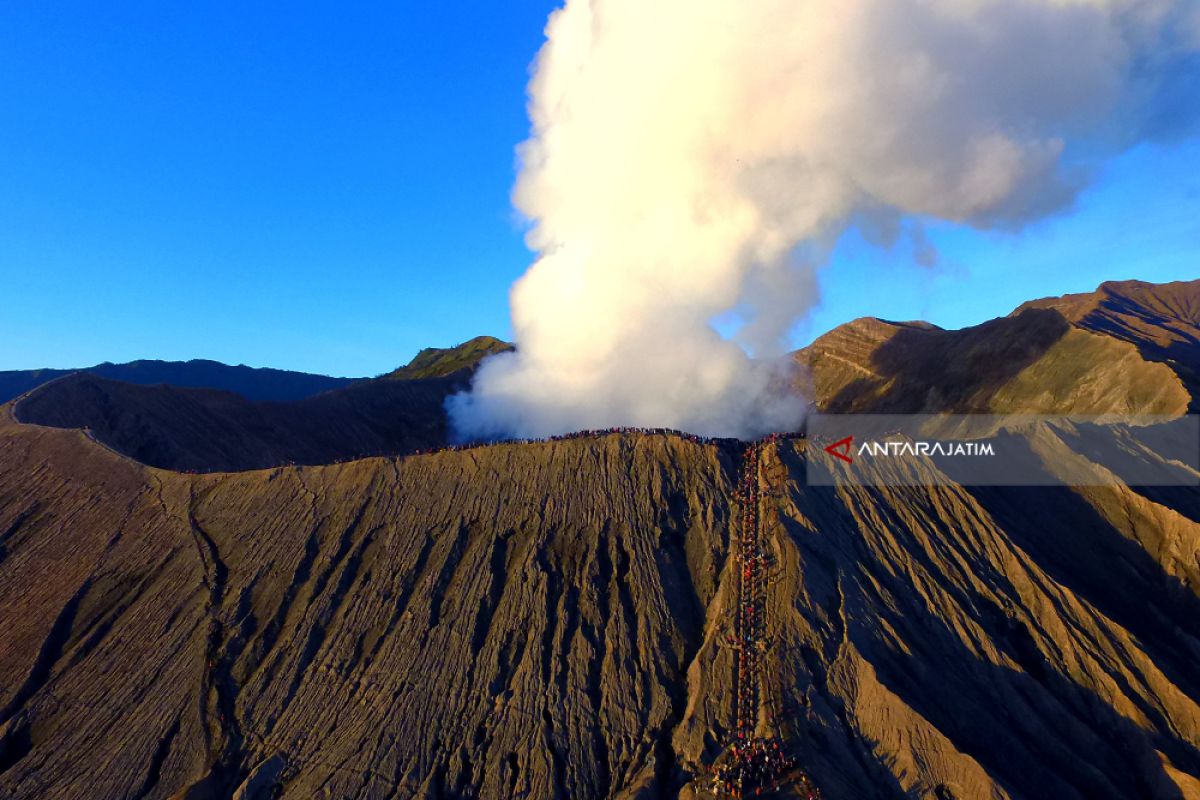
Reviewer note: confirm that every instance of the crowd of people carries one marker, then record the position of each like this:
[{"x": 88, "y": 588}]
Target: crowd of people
[
  {"x": 594, "y": 433},
  {"x": 564, "y": 437},
  {"x": 753, "y": 765},
  {"x": 749, "y": 626},
  {"x": 756, "y": 768}
]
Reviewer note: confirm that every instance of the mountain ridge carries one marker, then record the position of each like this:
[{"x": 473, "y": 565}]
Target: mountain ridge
[
  {"x": 1161, "y": 320},
  {"x": 1055, "y": 355},
  {"x": 254, "y": 383},
  {"x": 441, "y": 362},
  {"x": 205, "y": 429},
  {"x": 257, "y": 384}
]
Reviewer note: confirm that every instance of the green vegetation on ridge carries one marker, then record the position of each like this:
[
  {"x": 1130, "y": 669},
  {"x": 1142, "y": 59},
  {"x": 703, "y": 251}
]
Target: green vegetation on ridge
[{"x": 438, "y": 362}]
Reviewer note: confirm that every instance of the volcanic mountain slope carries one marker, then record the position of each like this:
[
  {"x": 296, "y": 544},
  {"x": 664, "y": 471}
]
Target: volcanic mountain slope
[
  {"x": 1129, "y": 347},
  {"x": 1161, "y": 320},
  {"x": 253, "y": 383},
  {"x": 205, "y": 430},
  {"x": 547, "y": 620}
]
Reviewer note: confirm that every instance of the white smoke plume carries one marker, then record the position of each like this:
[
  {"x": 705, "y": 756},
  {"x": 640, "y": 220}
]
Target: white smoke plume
[{"x": 693, "y": 157}]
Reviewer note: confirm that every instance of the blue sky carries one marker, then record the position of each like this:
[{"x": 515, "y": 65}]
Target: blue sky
[
  {"x": 326, "y": 187},
  {"x": 1139, "y": 219}
]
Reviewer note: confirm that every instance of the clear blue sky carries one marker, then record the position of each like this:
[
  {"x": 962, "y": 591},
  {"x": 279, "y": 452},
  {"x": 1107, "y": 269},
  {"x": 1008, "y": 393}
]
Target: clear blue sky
[{"x": 325, "y": 187}]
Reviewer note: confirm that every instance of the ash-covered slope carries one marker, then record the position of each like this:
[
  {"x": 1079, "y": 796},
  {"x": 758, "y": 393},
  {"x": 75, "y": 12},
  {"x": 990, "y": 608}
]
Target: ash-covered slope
[
  {"x": 547, "y": 620},
  {"x": 510, "y": 620},
  {"x": 1161, "y": 320}
]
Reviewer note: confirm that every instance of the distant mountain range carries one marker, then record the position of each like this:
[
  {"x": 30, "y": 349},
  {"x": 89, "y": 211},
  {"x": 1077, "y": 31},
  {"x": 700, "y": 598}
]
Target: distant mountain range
[
  {"x": 257, "y": 384},
  {"x": 253, "y": 383}
]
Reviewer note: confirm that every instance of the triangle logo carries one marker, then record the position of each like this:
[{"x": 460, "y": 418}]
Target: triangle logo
[{"x": 841, "y": 449}]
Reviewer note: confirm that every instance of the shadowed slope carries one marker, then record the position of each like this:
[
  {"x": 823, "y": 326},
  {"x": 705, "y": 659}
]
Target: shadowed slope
[
  {"x": 1081, "y": 354},
  {"x": 199, "y": 429},
  {"x": 1161, "y": 320},
  {"x": 953, "y": 638},
  {"x": 205, "y": 430}
]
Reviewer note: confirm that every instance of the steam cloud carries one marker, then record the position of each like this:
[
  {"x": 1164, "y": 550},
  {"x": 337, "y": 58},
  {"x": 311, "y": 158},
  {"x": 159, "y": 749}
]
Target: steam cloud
[{"x": 693, "y": 158}]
